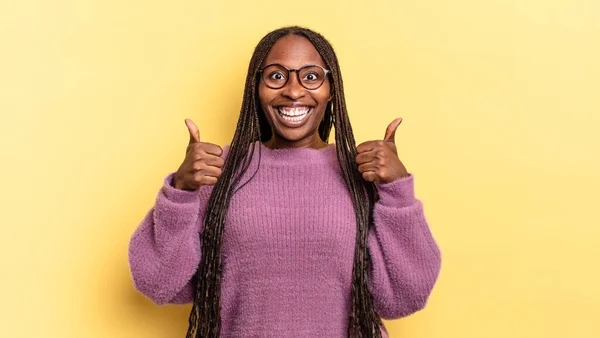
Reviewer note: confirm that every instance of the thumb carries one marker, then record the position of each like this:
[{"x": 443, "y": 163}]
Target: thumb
[
  {"x": 390, "y": 132},
  {"x": 194, "y": 132}
]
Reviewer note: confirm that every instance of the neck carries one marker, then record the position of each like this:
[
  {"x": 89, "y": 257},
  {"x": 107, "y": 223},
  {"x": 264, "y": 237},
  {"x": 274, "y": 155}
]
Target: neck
[{"x": 314, "y": 141}]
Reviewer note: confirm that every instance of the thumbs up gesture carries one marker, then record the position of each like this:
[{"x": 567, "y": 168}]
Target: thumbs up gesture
[
  {"x": 378, "y": 160},
  {"x": 202, "y": 164}
]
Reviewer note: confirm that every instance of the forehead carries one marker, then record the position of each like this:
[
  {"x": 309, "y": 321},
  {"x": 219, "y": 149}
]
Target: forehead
[{"x": 293, "y": 51}]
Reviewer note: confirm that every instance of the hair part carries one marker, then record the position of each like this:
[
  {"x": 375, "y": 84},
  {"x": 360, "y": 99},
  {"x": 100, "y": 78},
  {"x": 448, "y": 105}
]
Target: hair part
[{"x": 252, "y": 126}]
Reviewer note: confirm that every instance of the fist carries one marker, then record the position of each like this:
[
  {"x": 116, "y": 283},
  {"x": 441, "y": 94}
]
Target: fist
[
  {"x": 202, "y": 164},
  {"x": 378, "y": 160}
]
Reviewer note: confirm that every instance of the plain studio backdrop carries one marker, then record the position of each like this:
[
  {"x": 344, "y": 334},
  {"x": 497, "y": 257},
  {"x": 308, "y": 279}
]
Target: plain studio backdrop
[{"x": 501, "y": 109}]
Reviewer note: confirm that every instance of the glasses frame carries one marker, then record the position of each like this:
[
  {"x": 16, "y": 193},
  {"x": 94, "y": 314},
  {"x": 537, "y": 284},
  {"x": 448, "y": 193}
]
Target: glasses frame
[{"x": 297, "y": 71}]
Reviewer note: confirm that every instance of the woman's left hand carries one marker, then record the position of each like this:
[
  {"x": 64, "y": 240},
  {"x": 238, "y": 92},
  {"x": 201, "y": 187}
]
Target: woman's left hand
[{"x": 378, "y": 160}]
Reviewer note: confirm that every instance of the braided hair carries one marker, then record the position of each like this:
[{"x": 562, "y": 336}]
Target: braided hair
[{"x": 252, "y": 126}]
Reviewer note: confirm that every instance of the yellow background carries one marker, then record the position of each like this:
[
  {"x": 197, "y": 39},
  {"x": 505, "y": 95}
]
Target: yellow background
[{"x": 501, "y": 110}]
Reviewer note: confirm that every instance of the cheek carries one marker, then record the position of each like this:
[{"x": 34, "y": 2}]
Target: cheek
[
  {"x": 323, "y": 94},
  {"x": 266, "y": 96}
]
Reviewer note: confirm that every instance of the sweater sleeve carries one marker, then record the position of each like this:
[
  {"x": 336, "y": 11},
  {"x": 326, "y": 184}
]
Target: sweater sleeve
[
  {"x": 164, "y": 251},
  {"x": 405, "y": 259}
]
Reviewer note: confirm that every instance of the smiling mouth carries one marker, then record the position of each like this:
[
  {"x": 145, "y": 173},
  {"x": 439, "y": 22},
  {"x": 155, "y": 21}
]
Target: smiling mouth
[{"x": 294, "y": 115}]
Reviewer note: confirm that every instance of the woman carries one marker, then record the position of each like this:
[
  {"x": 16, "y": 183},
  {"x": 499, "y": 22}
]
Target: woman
[{"x": 281, "y": 234}]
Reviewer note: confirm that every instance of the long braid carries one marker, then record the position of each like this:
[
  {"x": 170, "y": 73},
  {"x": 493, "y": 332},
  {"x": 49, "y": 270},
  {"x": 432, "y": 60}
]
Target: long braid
[{"x": 252, "y": 126}]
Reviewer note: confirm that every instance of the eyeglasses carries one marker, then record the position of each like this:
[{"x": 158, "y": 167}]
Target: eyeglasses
[{"x": 310, "y": 77}]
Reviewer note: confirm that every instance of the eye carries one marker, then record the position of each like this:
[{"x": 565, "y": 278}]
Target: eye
[
  {"x": 312, "y": 76},
  {"x": 277, "y": 76}
]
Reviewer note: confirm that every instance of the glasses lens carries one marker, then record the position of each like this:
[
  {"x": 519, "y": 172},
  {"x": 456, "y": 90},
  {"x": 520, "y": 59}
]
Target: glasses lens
[
  {"x": 312, "y": 77},
  {"x": 275, "y": 76}
]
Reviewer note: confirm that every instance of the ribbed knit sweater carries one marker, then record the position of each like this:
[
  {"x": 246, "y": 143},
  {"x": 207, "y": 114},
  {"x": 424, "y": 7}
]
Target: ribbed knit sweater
[{"x": 288, "y": 248}]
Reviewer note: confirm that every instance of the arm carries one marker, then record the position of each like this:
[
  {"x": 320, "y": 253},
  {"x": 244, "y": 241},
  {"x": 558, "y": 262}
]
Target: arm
[
  {"x": 164, "y": 251},
  {"x": 405, "y": 259}
]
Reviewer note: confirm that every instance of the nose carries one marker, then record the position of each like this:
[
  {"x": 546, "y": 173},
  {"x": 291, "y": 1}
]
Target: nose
[{"x": 293, "y": 89}]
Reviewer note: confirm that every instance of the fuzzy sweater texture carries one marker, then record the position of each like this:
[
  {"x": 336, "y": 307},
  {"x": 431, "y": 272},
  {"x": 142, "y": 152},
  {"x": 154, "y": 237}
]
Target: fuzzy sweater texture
[{"x": 288, "y": 248}]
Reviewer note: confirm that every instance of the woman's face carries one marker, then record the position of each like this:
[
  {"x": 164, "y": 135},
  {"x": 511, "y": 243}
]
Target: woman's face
[{"x": 293, "y": 111}]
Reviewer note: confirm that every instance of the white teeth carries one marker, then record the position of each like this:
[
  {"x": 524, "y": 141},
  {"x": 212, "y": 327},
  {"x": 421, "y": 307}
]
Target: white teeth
[
  {"x": 294, "y": 115},
  {"x": 293, "y": 111}
]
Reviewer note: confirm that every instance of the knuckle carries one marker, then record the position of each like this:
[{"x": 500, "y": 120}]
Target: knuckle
[
  {"x": 209, "y": 180},
  {"x": 200, "y": 165},
  {"x": 195, "y": 147},
  {"x": 199, "y": 147},
  {"x": 198, "y": 155}
]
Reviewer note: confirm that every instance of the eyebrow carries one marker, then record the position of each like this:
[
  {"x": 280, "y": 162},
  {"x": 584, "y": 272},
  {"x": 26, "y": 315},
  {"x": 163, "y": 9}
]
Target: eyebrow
[{"x": 288, "y": 67}]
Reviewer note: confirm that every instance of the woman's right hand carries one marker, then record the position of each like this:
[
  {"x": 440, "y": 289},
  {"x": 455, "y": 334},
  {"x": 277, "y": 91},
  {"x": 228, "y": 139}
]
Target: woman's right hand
[{"x": 202, "y": 164}]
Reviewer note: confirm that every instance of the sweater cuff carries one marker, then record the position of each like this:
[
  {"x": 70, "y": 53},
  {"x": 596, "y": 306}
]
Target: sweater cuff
[
  {"x": 177, "y": 195},
  {"x": 399, "y": 193}
]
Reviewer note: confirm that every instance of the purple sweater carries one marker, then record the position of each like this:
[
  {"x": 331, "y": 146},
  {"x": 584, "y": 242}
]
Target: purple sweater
[{"x": 288, "y": 248}]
